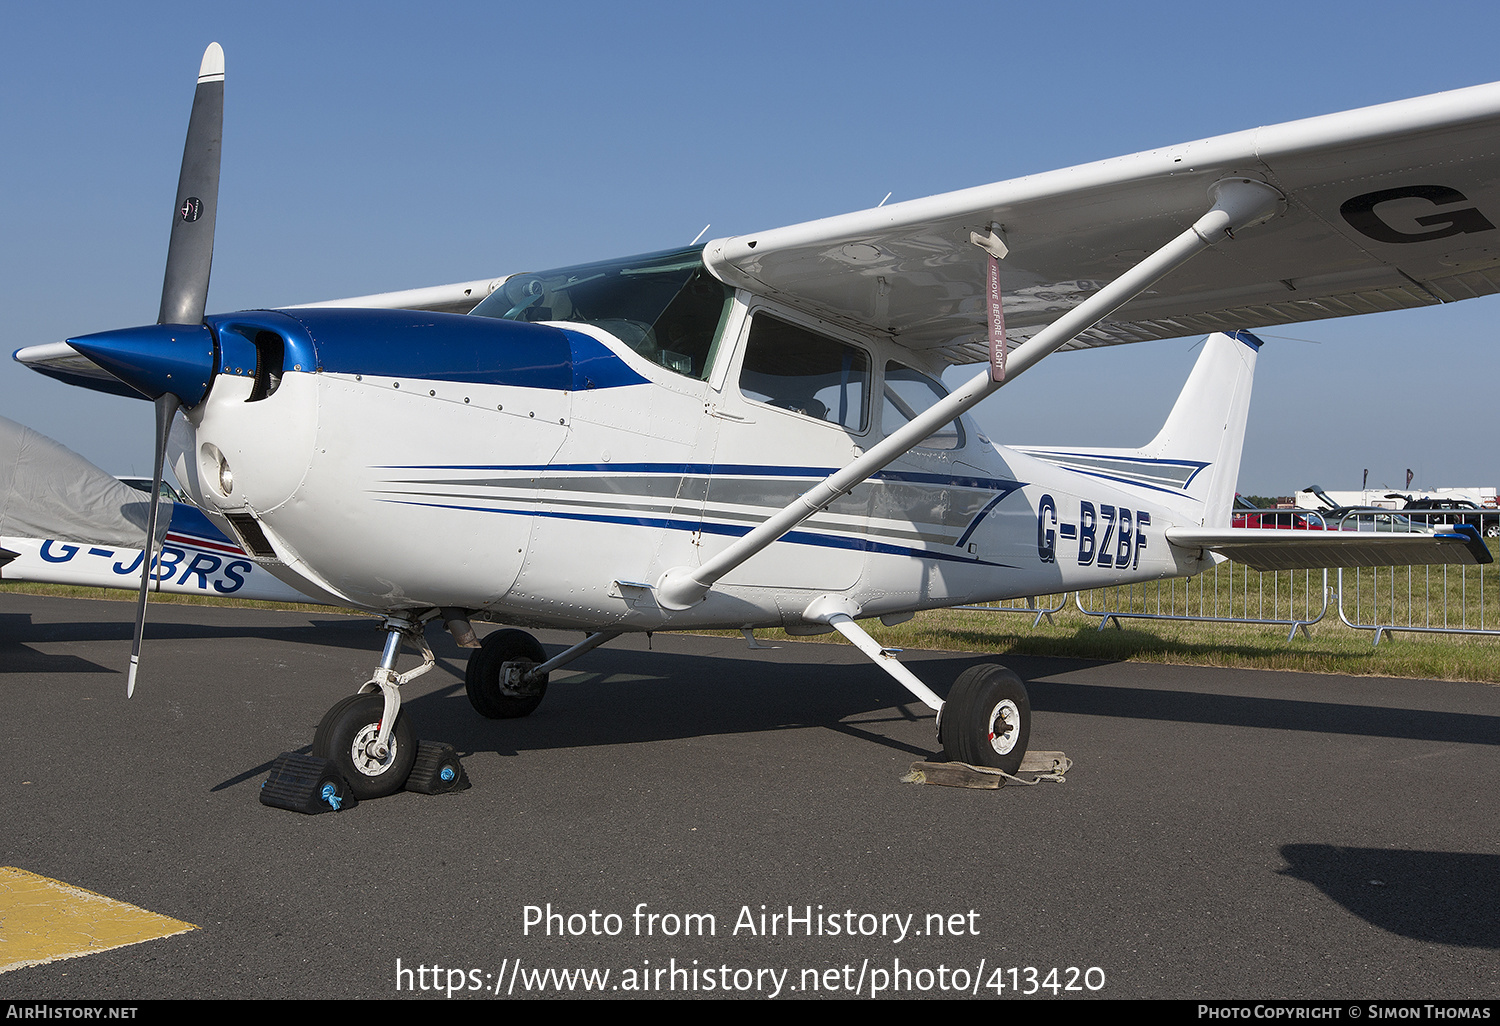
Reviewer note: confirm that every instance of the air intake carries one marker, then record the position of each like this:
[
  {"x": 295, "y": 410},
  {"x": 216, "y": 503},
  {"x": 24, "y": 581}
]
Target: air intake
[{"x": 252, "y": 538}]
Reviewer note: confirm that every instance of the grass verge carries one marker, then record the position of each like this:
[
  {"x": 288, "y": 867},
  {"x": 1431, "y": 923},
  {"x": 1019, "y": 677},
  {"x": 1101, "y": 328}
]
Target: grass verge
[{"x": 1333, "y": 647}]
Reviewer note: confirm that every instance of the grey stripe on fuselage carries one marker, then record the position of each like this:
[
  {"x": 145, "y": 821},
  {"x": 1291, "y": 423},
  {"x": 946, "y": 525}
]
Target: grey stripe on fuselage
[
  {"x": 946, "y": 510},
  {"x": 951, "y": 506},
  {"x": 1175, "y": 475}
]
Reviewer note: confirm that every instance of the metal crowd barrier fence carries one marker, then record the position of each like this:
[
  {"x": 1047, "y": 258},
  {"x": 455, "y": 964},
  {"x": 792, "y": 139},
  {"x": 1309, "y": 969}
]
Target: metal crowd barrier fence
[
  {"x": 1031, "y": 606},
  {"x": 1426, "y": 599},
  {"x": 1422, "y": 599},
  {"x": 1229, "y": 593}
]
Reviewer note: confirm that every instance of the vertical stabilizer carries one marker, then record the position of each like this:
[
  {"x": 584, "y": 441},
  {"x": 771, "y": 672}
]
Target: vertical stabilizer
[
  {"x": 1207, "y": 425},
  {"x": 1193, "y": 463}
]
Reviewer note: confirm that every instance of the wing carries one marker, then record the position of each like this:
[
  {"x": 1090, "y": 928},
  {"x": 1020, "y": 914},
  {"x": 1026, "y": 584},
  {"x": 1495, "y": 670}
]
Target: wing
[
  {"x": 1262, "y": 549},
  {"x": 61, "y": 361},
  {"x": 1388, "y": 207},
  {"x": 460, "y": 297}
]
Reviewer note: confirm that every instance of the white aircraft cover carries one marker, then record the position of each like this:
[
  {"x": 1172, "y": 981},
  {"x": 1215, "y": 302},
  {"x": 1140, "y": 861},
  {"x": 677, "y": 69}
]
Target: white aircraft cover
[{"x": 49, "y": 491}]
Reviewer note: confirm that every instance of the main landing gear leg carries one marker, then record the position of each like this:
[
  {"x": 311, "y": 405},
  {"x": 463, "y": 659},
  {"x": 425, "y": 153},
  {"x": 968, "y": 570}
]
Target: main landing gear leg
[
  {"x": 365, "y": 736},
  {"x": 987, "y": 718}
]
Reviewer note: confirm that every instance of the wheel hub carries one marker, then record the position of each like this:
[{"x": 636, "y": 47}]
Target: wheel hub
[
  {"x": 1005, "y": 724},
  {"x": 363, "y": 752},
  {"x": 513, "y": 678}
]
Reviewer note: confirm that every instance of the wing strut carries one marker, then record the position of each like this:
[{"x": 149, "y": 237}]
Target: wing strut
[{"x": 1238, "y": 203}]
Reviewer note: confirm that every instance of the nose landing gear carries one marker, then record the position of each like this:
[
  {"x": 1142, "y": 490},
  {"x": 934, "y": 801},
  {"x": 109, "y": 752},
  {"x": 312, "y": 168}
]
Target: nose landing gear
[
  {"x": 365, "y": 736},
  {"x": 348, "y": 737}
]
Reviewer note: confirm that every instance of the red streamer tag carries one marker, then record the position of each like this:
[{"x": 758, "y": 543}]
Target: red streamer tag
[{"x": 997, "y": 321}]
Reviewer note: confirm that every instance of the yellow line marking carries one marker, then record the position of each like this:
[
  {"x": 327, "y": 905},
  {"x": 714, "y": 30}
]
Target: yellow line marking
[{"x": 43, "y": 920}]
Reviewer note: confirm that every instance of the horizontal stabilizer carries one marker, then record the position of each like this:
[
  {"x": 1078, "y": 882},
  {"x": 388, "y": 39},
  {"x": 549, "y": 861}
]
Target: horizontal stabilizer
[{"x": 1261, "y": 549}]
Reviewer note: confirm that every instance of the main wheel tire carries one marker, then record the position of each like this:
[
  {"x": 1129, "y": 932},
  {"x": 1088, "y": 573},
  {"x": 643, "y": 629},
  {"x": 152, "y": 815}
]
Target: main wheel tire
[
  {"x": 488, "y": 693},
  {"x": 344, "y": 738},
  {"x": 987, "y": 719}
]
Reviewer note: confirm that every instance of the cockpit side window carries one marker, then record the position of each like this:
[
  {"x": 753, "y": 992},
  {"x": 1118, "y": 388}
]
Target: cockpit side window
[
  {"x": 796, "y": 369},
  {"x": 665, "y": 306},
  {"x": 908, "y": 393}
]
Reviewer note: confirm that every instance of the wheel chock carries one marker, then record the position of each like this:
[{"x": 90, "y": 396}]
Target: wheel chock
[
  {"x": 1045, "y": 765},
  {"x": 306, "y": 784},
  {"x": 437, "y": 770}
]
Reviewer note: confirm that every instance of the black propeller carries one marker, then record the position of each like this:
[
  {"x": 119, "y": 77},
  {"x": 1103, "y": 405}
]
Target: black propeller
[{"x": 184, "y": 291}]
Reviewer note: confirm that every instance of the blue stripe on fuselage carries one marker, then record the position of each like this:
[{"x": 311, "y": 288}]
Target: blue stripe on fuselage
[
  {"x": 440, "y": 347},
  {"x": 717, "y": 469}
]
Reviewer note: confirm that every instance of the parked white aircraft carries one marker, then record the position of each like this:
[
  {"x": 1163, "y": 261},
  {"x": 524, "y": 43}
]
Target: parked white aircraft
[{"x": 753, "y": 433}]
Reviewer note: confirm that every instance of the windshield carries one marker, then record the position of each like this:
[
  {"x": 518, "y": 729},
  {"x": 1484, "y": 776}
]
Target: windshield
[{"x": 665, "y": 306}]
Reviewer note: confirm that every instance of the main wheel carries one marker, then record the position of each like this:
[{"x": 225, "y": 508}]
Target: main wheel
[
  {"x": 346, "y": 738},
  {"x": 484, "y": 676},
  {"x": 987, "y": 719}
]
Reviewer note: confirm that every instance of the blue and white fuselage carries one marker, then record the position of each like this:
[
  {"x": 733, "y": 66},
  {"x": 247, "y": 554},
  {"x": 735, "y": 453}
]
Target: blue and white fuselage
[{"x": 574, "y": 469}]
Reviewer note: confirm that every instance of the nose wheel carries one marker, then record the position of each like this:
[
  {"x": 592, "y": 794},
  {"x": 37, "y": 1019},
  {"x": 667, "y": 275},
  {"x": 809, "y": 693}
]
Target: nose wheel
[
  {"x": 373, "y": 756},
  {"x": 349, "y": 737}
]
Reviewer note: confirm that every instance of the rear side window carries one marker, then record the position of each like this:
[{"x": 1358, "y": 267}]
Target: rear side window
[
  {"x": 908, "y": 393},
  {"x": 793, "y": 368}
]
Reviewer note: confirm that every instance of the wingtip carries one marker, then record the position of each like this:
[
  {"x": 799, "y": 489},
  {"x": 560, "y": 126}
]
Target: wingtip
[{"x": 212, "y": 67}]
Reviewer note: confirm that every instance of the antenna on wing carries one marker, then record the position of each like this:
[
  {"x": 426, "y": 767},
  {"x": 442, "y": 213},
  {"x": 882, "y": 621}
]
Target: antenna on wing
[
  {"x": 887, "y": 196},
  {"x": 701, "y": 234},
  {"x": 1292, "y": 338}
]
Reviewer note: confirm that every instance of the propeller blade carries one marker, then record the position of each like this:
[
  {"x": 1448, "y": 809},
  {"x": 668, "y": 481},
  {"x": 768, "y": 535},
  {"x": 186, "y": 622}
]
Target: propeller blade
[
  {"x": 184, "y": 295},
  {"x": 190, "y": 255},
  {"x": 166, "y": 408}
]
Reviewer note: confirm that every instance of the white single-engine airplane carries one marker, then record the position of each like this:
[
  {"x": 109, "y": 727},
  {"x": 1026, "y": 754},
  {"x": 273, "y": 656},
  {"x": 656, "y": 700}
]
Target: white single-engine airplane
[{"x": 753, "y": 433}]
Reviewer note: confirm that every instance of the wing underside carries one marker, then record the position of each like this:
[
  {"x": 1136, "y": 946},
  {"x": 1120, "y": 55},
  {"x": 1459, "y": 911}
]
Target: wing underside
[{"x": 1387, "y": 207}]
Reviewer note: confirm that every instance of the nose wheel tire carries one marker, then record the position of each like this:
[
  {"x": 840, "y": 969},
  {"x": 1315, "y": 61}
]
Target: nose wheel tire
[
  {"x": 485, "y": 679},
  {"x": 346, "y": 737},
  {"x": 987, "y": 719}
]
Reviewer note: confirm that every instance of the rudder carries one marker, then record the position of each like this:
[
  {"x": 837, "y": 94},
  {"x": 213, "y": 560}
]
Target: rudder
[{"x": 1207, "y": 423}]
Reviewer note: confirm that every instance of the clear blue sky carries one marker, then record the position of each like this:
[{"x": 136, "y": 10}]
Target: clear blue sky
[{"x": 377, "y": 146}]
